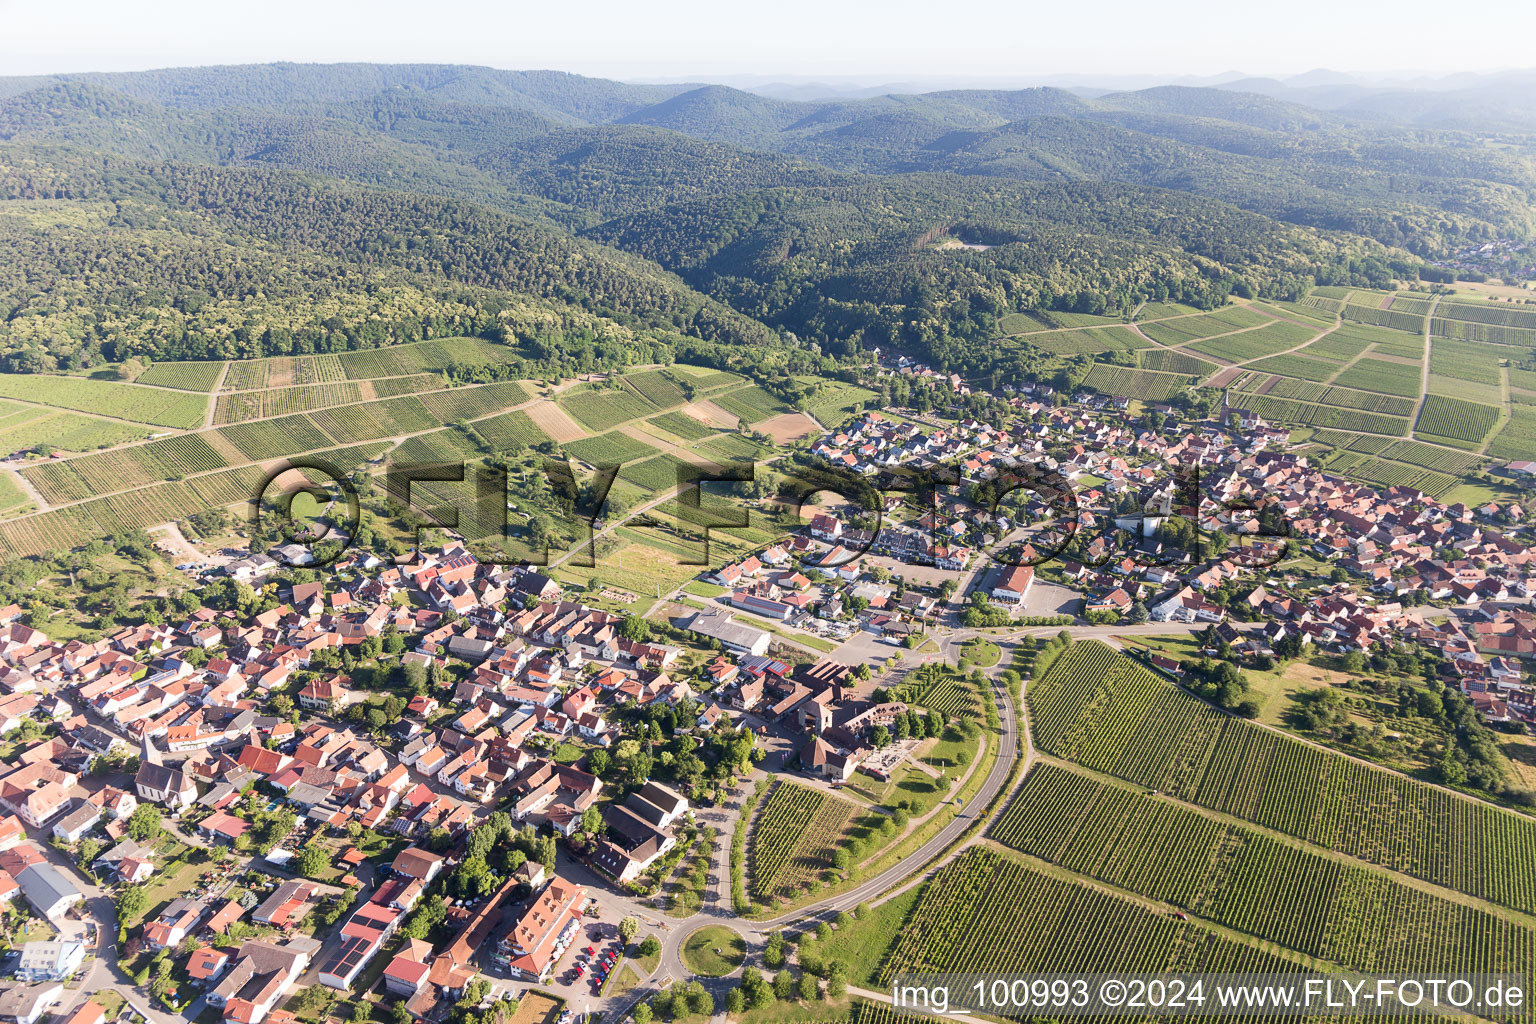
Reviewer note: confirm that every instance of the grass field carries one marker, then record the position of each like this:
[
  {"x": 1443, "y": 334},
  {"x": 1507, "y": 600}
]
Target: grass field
[
  {"x": 157, "y": 406},
  {"x": 713, "y": 951},
  {"x": 24, "y": 427},
  {"x": 1517, "y": 438}
]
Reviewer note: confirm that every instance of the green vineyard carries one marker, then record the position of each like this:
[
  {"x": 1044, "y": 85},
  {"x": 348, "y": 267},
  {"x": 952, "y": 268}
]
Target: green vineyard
[
  {"x": 1102, "y": 710},
  {"x": 1456, "y": 419},
  {"x": 984, "y": 911},
  {"x": 1354, "y": 917}
]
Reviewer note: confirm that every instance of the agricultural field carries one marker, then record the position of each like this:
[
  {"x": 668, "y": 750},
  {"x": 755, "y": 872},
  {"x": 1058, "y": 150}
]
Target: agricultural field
[
  {"x": 1126, "y": 382},
  {"x": 1281, "y": 387},
  {"x": 1369, "y": 401},
  {"x": 1465, "y": 361},
  {"x": 1108, "y": 713},
  {"x": 1418, "y": 454},
  {"x": 968, "y": 919},
  {"x": 1517, "y": 438},
  {"x": 732, "y": 448},
  {"x": 1355, "y": 917},
  {"x": 947, "y": 691},
  {"x": 238, "y": 407},
  {"x": 86, "y": 476},
  {"x": 751, "y": 404},
  {"x": 834, "y": 403},
  {"x": 12, "y": 499},
  {"x": 657, "y": 387},
  {"x": 1276, "y": 336},
  {"x": 157, "y": 406},
  {"x": 271, "y": 439},
  {"x": 470, "y": 403},
  {"x": 190, "y": 376},
  {"x": 1090, "y": 341},
  {"x": 1166, "y": 361},
  {"x": 1280, "y": 410},
  {"x": 654, "y": 474},
  {"x": 1471, "y": 391},
  {"x": 392, "y": 387},
  {"x": 1394, "y": 319},
  {"x": 1297, "y": 365},
  {"x": 419, "y": 357},
  {"x": 1484, "y": 334},
  {"x": 1384, "y": 473},
  {"x": 605, "y": 408},
  {"x": 1336, "y": 346},
  {"x": 1455, "y": 420},
  {"x": 1488, "y": 313},
  {"x": 705, "y": 377},
  {"x": 1369, "y": 374},
  {"x": 1297, "y": 310},
  {"x": 1163, "y": 310},
  {"x": 609, "y": 449},
  {"x": 25, "y": 427},
  {"x": 1205, "y": 325},
  {"x": 792, "y": 839},
  {"x": 511, "y": 431},
  {"x": 1401, "y": 303},
  {"x": 682, "y": 425}
]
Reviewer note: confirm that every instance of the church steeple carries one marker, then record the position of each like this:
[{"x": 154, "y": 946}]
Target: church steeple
[{"x": 149, "y": 753}]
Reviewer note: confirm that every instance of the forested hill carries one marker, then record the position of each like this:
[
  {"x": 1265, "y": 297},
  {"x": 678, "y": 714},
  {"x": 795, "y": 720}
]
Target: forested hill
[
  {"x": 879, "y": 258},
  {"x": 112, "y": 258},
  {"x": 194, "y": 213},
  {"x": 485, "y": 134}
]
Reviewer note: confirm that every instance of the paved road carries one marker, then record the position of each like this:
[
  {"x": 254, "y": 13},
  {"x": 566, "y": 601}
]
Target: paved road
[{"x": 945, "y": 844}]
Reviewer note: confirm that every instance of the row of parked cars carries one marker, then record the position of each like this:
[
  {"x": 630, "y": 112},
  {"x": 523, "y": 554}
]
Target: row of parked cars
[{"x": 600, "y": 961}]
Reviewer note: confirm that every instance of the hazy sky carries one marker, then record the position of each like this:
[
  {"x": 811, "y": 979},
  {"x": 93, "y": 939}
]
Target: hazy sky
[{"x": 875, "y": 39}]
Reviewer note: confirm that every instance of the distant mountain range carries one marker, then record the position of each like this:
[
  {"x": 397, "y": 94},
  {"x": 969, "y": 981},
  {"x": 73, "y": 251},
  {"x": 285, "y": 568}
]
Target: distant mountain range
[{"x": 813, "y": 216}]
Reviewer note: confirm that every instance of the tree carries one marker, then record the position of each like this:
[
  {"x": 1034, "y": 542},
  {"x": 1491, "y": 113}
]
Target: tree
[
  {"x": 735, "y": 1002},
  {"x": 837, "y": 979},
  {"x": 651, "y": 946},
  {"x": 784, "y": 985},
  {"x": 87, "y": 852},
  {"x": 635, "y": 628},
  {"x": 628, "y": 928},
  {"x": 808, "y": 986},
  {"x": 130, "y": 903},
  {"x": 144, "y": 822},
  {"x": 312, "y": 861},
  {"x": 642, "y": 1013},
  {"x": 599, "y": 761}
]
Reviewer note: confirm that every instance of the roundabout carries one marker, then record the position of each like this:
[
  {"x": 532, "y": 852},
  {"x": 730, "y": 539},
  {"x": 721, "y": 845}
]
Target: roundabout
[{"x": 713, "y": 951}]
